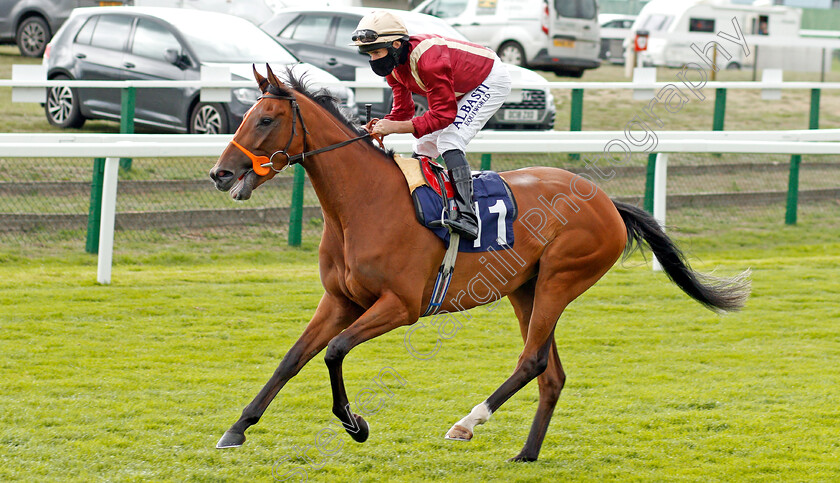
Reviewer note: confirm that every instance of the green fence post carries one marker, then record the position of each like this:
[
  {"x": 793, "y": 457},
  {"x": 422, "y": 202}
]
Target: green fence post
[
  {"x": 796, "y": 160},
  {"x": 649, "y": 178},
  {"x": 720, "y": 109},
  {"x": 296, "y": 210},
  {"x": 95, "y": 210},
  {"x": 486, "y": 161},
  {"x": 793, "y": 190},
  {"x": 128, "y": 100},
  {"x": 814, "y": 119},
  {"x": 576, "y": 118}
]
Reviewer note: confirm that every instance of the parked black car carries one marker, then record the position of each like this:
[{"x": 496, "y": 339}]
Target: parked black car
[
  {"x": 322, "y": 38},
  {"x": 31, "y": 23},
  {"x": 135, "y": 43}
]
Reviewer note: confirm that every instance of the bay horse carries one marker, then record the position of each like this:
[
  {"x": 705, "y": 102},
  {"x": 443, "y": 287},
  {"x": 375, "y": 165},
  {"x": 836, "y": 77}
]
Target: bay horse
[{"x": 378, "y": 264}]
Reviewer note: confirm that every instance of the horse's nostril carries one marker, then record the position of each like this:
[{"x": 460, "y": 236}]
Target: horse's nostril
[{"x": 220, "y": 175}]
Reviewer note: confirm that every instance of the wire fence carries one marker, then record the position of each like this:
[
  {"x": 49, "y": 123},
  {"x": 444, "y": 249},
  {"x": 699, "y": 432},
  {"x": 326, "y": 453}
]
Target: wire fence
[{"x": 47, "y": 200}]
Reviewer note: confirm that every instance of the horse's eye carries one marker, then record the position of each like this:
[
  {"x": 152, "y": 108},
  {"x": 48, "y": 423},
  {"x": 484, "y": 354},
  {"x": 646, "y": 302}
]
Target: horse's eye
[{"x": 266, "y": 121}]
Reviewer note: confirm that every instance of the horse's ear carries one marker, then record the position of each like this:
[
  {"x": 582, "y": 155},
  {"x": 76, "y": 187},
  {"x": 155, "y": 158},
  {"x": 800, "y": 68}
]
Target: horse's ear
[
  {"x": 261, "y": 81},
  {"x": 271, "y": 77}
]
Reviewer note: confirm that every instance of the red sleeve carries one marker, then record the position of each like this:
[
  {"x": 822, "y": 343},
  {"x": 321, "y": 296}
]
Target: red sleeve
[
  {"x": 403, "y": 107},
  {"x": 435, "y": 70}
]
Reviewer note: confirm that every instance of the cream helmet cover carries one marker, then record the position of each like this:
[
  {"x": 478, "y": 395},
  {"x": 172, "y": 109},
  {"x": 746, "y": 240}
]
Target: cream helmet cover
[{"x": 378, "y": 29}]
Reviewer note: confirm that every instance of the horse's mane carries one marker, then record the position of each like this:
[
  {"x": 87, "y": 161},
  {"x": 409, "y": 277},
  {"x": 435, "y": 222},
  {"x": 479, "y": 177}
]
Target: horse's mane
[{"x": 329, "y": 102}]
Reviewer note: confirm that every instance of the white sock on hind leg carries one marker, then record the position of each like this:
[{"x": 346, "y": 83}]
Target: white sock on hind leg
[{"x": 479, "y": 415}]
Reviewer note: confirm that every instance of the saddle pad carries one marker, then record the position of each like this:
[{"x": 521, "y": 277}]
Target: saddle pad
[
  {"x": 422, "y": 172},
  {"x": 411, "y": 170},
  {"x": 496, "y": 210}
]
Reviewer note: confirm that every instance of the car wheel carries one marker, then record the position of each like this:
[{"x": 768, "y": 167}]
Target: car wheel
[
  {"x": 733, "y": 66},
  {"x": 421, "y": 106},
  {"x": 512, "y": 53},
  {"x": 208, "y": 119},
  {"x": 63, "y": 107},
  {"x": 32, "y": 37}
]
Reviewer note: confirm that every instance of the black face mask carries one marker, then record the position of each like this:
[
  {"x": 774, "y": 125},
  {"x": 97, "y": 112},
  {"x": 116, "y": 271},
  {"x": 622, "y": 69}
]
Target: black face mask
[{"x": 384, "y": 65}]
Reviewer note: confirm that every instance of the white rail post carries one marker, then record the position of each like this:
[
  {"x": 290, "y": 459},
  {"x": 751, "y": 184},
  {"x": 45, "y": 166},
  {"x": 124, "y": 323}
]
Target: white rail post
[
  {"x": 660, "y": 196},
  {"x": 23, "y": 73},
  {"x": 644, "y": 75},
  {"x": 771, "y": 76},
  {"x": 106, "y": 225},
  {"x": 369, "y": 94},
  {"x": 215, "y": 73}
]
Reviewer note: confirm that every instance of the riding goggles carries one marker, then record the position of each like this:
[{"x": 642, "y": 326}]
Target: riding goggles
[{"x": 364, "y": 36}]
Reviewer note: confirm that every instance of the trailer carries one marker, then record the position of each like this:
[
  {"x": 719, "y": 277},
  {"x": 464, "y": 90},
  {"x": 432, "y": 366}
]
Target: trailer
[{"x": 675, "y": 26}]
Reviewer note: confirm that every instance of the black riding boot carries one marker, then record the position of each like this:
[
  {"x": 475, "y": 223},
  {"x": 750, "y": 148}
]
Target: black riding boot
[{"x": 466, "y": 223}]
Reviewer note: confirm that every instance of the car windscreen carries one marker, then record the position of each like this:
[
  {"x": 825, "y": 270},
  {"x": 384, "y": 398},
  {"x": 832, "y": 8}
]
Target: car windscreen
[
  {"x": 232, "y": 40},
  {"x": 655, "y": 22}
]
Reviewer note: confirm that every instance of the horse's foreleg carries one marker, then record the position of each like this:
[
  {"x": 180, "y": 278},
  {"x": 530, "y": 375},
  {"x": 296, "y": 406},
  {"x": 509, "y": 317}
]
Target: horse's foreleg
[
  {"x": 388, "y": 313},
  {"x": 332, "y": 316}
]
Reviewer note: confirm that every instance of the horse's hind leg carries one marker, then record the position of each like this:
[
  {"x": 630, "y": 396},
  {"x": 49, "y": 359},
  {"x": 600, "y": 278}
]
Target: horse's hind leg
[
  {"x": 561, "y": 280},
  {"x": 551, "y": 381}
]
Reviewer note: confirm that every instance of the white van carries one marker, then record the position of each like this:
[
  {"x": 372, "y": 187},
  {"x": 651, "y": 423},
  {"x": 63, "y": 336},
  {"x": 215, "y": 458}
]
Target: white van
[
  {"x": 561, "y": 36},
  {"x": 668, "y": 22}
]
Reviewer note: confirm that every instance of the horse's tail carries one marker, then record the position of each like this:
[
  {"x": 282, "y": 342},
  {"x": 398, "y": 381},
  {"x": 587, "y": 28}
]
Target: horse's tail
[{"x": 719, "y": 294}]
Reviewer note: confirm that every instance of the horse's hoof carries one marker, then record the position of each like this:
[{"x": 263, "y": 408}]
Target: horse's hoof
[
  {"x": 520, "y": 458},
  {"x": 362, "y": 430},
  {"x": 459, "y": 433},
  {"x": 231, "y": 440}
]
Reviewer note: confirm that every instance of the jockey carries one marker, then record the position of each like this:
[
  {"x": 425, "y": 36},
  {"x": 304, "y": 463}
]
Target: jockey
[{"x": 464, "y": 83}]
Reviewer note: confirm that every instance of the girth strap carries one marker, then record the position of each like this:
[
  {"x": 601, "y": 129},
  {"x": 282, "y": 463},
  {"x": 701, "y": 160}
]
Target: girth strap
[{"x": 444, "y": 276}]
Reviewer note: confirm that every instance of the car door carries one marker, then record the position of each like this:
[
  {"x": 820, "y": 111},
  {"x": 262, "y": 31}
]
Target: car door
[
  {"x": 307, "y": 36},
  {"x": 7, "y": 27},
  {"x": 480, "y": 20},
  {"x": 155, "y": 53},
  {"x": 575, "y": 31},
  {"x": 99, "y": 49},
  {"x": 342, "y": 59}
]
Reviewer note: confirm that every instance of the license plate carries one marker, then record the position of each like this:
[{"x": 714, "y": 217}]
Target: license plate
[
  {"x": 569, "y": 44},
  {"x": 521, "y": 115}
]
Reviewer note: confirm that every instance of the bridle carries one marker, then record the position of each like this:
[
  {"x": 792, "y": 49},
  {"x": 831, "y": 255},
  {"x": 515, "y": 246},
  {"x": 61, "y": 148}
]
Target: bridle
[{"x": 262, "y": 165}]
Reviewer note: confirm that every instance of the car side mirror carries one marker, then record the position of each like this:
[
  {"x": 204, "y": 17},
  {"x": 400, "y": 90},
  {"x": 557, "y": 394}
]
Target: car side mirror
[{"x": 173, "y": 57}]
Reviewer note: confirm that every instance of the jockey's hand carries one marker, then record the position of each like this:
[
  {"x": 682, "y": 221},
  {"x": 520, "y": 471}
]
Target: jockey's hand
[
  {"x": 369, "y": 127},
  {"x": 384, "y": 127},
  {"x": 370, "y": 124},
  {"x": 379, "y": 128}
]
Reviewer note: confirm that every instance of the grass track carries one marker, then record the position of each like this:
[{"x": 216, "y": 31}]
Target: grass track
[{"x": 137, "y": 381}]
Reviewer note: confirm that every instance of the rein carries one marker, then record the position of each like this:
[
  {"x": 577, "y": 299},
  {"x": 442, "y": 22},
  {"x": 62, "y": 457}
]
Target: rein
[{"x": 262, "y": 165}]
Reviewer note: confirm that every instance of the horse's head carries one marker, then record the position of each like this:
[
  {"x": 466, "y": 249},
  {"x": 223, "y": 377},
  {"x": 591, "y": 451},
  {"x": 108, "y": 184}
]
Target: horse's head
[{"x": 269, "y": 130}]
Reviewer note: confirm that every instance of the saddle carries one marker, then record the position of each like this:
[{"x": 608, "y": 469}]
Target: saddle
[{"x": 433, "y": 197}]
